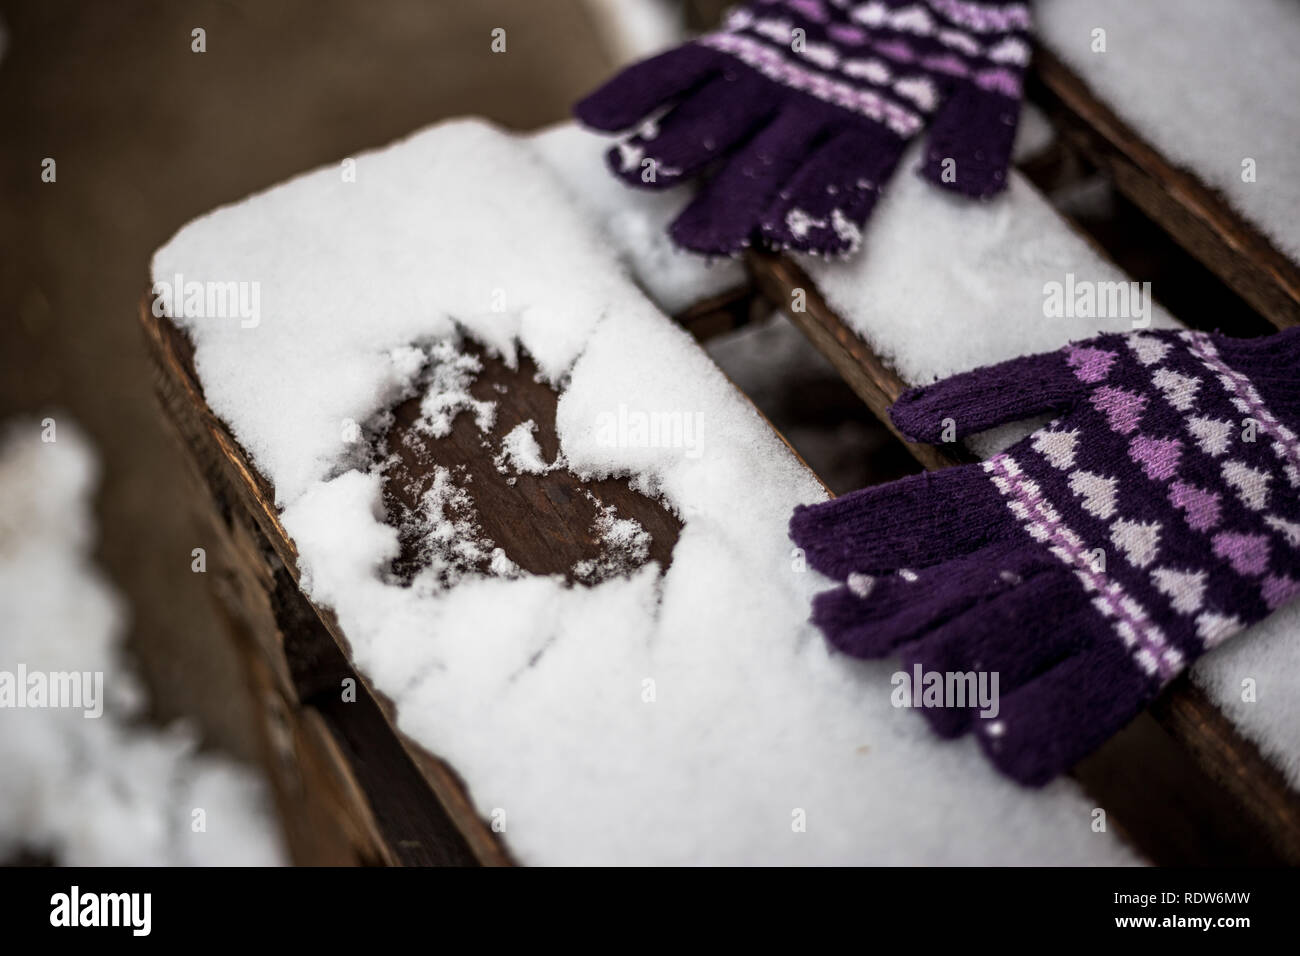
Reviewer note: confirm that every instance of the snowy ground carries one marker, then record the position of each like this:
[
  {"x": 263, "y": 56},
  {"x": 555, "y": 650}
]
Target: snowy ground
[
  {"x": 683, "y": 716},
  {"x": 85, "y": 790}
]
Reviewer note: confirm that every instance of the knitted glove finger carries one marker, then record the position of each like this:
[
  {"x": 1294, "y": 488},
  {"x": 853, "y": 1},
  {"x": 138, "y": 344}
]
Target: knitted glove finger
[
  {"x": 872, "y": 615},
  {"x": 1168, "y": 496},
  {"x": 720, "y": 220},
  {"x": 719, "y": 115},
  {"x": 970, "y": 140},
  {"x": 641, "y": 89},
  {"x": 823, "y": 207},
  {"x": 911, "y": 523},
  {"x": 1054, "y": 721},
  {"x": 878, "y": 68},
  {"x": 1013, "y": 637},
  {"x": 993, "y": 395}
]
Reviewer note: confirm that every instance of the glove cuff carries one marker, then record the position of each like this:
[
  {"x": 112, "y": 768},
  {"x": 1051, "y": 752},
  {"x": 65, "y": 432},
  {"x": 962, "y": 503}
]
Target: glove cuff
[{"x": 1271, "y": 363}]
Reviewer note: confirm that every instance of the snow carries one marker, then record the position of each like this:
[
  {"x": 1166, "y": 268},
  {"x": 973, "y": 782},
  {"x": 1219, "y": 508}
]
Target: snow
[
  {"x": 635, "y": 220},
  {"x": 944, "y": 286},
  {"x": 450, "y": 374},
  {"x": 1034, "y": 134},
  {"x": 520, "y": 451},
  {"x": 107, "y": 790},
  {"x": 451, "y": 544},
  {"x": 625, "y": 546},
  {"x": 1207, "y": 83},
  {"x": 687, "y": 715}
]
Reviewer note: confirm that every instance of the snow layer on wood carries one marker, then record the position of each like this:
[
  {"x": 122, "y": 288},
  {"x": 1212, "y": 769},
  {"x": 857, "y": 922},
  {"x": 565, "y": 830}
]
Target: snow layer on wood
[
  {"x": 636, "y": 220},
  {"x": 1209, "y": 84},
  {"x": 683, "y": 716},
  {"x": 944, "y": 285},
  {"x": 106, "y": 790}
]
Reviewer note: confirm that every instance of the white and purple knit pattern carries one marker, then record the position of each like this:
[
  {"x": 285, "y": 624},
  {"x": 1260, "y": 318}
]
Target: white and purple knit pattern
[
  {"x": 1246, "y": 399},
  {"x": 1141, "y": 636},
  {"x": 1093, "y": 560},
  {"x": 776, "y": 65},
  {"x": 796, "y": 114},
  {"x": 881, "y": 65},
  {"x": 1203, "y": 544}
]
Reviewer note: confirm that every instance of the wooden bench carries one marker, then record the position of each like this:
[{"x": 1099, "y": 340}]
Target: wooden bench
[
  {"x": 350, "y": 788},
  {"x": 355, "y": 786}
]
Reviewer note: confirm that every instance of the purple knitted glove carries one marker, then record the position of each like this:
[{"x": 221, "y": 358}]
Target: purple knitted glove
[
  {"x": 805, "y": 107},
  {"x": 1091, "y": 562}
]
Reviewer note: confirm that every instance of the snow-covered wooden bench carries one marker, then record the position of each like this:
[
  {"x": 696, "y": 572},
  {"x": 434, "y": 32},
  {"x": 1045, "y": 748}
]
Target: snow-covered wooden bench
[
  {"x": 942, "y": 287},
  {"x": 348, "y": 791},
  {"x": 430, "y": 455},
  {"x": 1191, "y": 109}
]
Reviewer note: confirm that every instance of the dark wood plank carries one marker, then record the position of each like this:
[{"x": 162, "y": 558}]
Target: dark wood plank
[
  {"x": 1183, "y": 711},
  {"x": 1198, "y": 217}
]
